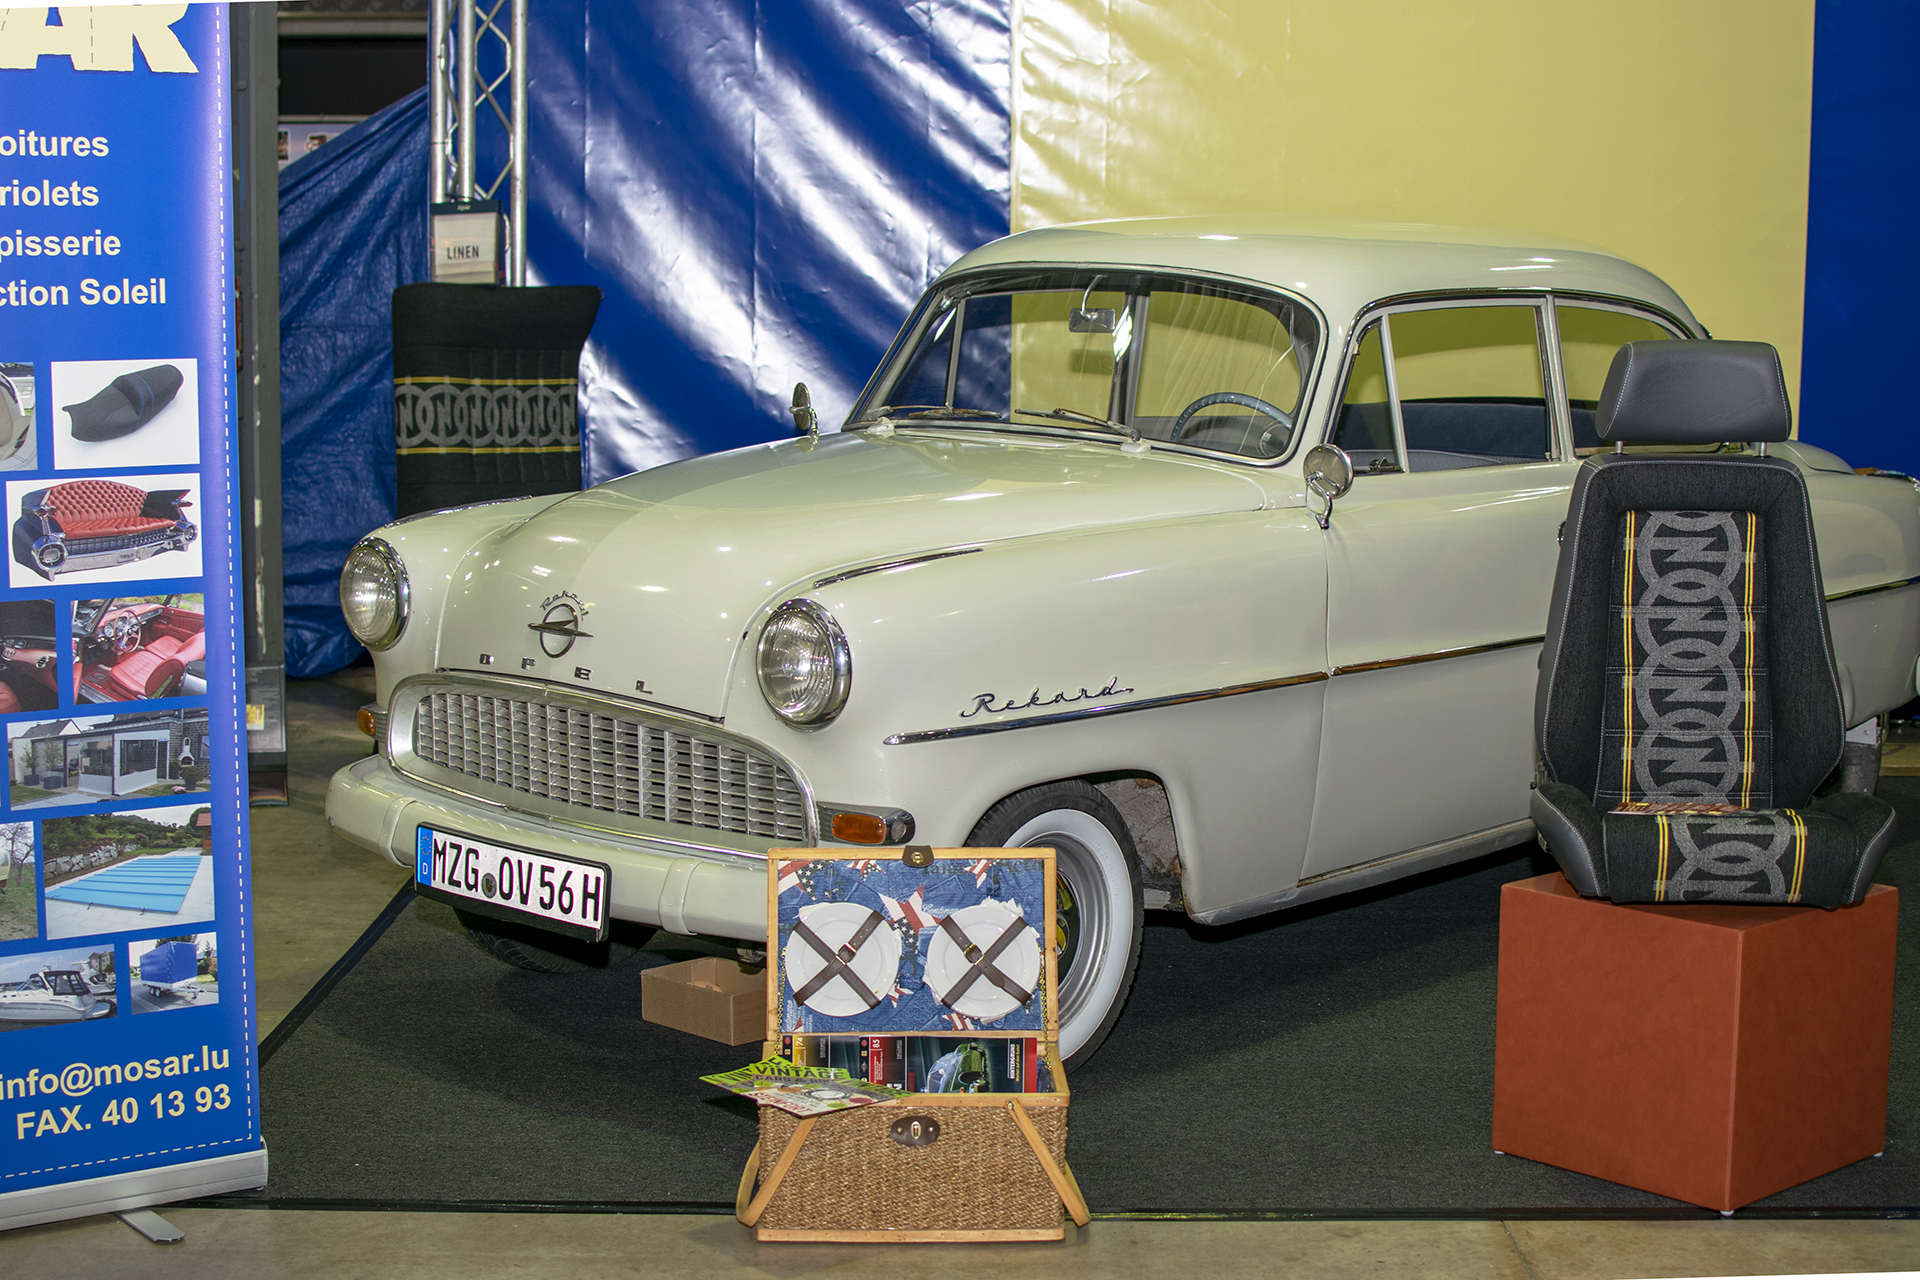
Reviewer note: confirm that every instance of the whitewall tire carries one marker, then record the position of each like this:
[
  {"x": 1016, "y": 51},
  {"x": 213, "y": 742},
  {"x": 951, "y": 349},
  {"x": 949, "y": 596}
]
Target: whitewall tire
[{"x": 1098, "y": 900}]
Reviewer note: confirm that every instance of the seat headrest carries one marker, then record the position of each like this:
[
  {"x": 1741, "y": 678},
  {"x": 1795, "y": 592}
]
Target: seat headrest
[{"x": 1694, "y": 392}]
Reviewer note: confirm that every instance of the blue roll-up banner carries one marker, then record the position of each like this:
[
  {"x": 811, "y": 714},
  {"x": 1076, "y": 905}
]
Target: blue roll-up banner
[{"x": 127, "y": 1067}]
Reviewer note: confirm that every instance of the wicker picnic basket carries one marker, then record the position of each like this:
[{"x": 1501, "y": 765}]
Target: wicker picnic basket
[{"x": 926, "y": 1168}]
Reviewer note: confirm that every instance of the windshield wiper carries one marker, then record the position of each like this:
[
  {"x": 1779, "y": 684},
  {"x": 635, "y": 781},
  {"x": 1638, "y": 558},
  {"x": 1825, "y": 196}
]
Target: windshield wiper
[
  {"x": 949, "y": 411},
  {"x": 1073, "y": 415},
  {"x": 927, "y": 411}
]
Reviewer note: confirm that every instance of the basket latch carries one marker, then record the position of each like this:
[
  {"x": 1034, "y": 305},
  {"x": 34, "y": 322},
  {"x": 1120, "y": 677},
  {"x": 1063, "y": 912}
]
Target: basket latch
[
  {"x": 917, "y": 855},
  {"x": 915, "y": 1131}
]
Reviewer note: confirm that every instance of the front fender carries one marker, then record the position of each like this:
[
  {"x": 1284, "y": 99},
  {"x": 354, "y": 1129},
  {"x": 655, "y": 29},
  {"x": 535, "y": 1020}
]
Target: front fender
[
  {"x": 1112, "y": 650},
  {"x": 434, "y": 547}
]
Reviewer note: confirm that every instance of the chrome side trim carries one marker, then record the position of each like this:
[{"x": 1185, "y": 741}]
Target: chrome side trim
[
  {"x": 398, "y": 746},
  {"x": 1437, "y": 655},
  {"x": 1177, "y": 699},
  {"x": 1871, "y": 591},
  {"x": 907, "y": 563},
  {"x": 1111, "y": 709},
  {"x": 1378, "y": 871}
]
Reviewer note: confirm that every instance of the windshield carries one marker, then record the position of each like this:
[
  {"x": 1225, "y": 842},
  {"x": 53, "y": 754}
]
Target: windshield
[{"x": 1179, "y": 360}]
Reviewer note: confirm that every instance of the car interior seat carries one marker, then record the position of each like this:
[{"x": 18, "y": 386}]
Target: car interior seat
[
  {"x": 146, "y": 673},
  {"x": 1688, "y": 704}
]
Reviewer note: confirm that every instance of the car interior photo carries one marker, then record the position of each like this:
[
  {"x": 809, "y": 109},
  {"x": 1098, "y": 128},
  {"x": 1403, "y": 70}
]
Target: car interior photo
[
  {"x": 134, "y": 647},
  {"x": 28, "y": 674}
]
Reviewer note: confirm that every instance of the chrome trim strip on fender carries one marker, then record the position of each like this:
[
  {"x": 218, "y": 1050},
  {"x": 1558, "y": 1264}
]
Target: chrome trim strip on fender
[
  {"x": 907, "y": 563},
  {"x": 1177, "y": 699},
  {"x": 1870, "y": 591},
  {"x": 1437, "y": 655},
  {"x": 1089, "y": 713}
]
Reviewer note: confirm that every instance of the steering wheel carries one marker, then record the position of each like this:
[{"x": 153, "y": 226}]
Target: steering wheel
[
  {"x": 1254, "y": 403},
  {"x": 126, "y": 635}
]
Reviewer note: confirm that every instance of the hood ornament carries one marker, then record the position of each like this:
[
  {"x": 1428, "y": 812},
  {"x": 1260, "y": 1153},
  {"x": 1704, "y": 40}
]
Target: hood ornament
[{"x": 560, "y": 626}]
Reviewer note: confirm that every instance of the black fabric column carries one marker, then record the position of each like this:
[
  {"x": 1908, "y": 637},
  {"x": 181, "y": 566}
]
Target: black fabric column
[{"x": 486, "y": 390}]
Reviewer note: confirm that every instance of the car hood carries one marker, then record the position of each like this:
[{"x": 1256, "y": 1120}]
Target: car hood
[{"x": 668, "y": 568}]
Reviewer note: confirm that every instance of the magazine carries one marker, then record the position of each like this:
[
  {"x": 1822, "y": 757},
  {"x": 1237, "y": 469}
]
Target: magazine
[{"x": 802, "y": 1090}]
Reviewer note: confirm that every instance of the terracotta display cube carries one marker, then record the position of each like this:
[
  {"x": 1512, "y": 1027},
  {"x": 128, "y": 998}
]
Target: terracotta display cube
[{"x": 1715, "y": 1054}]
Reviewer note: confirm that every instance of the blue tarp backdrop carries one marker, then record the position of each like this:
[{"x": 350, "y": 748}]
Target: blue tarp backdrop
[
  {"x": 1860, "y": 255},
  {"x": 353, "y": 227},
  {"x": 761, "y": 192}
]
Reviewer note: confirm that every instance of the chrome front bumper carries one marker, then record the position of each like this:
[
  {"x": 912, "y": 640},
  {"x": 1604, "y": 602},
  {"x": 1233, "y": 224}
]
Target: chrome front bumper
[
  {"x": 73, "y": 555},
  {"x": 724, "y": 895}
]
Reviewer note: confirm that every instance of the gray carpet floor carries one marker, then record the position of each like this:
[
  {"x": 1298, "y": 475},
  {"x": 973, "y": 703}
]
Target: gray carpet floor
[{"x": 1334, "y": 1059}]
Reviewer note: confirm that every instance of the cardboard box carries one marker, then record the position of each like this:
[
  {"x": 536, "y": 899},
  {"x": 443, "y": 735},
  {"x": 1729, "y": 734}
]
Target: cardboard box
[
  {"x": 719, "y": 999},
  {"x": 1715, "y": 1054}
]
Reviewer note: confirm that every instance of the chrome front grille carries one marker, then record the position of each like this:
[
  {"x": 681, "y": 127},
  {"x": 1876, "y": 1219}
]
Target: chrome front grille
[{"x": 616, "y": 764}]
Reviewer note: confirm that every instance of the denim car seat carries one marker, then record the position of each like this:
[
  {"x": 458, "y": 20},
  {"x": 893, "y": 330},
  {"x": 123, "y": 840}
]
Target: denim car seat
[{"x": 1688, "y": 703}]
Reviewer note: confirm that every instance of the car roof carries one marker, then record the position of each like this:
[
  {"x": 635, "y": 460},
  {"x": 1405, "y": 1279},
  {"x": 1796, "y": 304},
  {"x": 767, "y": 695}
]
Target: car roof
[{"x": 1341, "y": 266}]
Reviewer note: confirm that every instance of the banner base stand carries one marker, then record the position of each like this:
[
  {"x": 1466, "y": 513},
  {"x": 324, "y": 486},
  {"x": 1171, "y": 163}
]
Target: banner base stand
[
  {"x": 152, "y": 1226},
  {"x": 121, "y": 1192}
]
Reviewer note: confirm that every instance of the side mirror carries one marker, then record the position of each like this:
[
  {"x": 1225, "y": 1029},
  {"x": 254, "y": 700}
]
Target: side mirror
[
  {"x": 1328, "y": 472},
  {"x": 806, "y": 421}
]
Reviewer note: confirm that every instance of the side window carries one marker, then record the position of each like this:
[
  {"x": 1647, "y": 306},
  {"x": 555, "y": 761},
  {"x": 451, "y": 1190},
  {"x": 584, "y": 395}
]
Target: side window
[
  {"x": 1589, "y": 337},
  {"x": 1471, "y": 387},
  {"x": 1365, "y": 425}
]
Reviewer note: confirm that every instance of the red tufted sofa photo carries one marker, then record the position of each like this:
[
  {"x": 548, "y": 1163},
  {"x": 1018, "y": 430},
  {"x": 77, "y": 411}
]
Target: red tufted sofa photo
[{"x": 95, "y": 524}]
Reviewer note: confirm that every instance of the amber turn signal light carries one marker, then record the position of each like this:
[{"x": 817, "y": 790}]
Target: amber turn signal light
[
  {"x": 860, "y": 828},
  {"x": 366, "y": 721}
]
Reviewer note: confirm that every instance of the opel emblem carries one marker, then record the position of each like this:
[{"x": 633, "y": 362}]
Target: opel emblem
[{"x": 560, "y": 627}]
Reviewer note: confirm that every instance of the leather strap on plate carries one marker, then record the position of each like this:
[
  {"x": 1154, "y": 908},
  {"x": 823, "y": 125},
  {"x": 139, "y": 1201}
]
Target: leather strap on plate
[
  {"x": 983, "y": 966},
  {"x": 836, "y": 966}
]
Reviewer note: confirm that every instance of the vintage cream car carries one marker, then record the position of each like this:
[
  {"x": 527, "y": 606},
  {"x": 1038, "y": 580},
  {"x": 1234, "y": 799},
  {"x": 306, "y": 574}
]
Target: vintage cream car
[{"x": 1058, "y": 580}]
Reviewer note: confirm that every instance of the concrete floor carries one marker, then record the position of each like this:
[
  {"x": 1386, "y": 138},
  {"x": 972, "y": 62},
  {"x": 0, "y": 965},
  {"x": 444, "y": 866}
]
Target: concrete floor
[
  {"x": 426, "y": 1246},
  {"x": 314, "y": 894}
]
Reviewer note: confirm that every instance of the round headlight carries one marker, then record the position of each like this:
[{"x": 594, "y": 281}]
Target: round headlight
[
  {"x": 806, "y": 669},
  {"x": 373, "y": 594}
]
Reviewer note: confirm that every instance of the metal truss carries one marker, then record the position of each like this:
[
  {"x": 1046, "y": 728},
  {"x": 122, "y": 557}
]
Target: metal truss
[{"x": 474, "y": 62}]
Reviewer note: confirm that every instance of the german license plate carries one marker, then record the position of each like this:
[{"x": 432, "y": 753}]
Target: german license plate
[{"x": 565, "y": 895}]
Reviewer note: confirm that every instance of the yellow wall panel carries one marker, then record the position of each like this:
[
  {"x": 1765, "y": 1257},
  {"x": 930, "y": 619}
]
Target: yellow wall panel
[{"x": 1672, "y": 132}]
